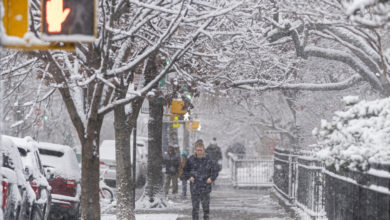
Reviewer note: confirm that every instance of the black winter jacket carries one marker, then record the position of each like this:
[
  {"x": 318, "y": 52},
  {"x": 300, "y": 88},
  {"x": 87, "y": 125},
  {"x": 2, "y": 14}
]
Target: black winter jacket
[
  {"x": 172, "y": 163},
  {"x": 201, "y": 169},
  {"x": 214, "y": 152}
]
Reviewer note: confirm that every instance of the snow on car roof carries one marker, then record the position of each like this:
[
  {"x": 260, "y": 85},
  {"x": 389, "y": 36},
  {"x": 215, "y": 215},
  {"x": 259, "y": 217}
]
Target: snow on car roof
[
  {"x": 27, "y": 142},
  {"x": 60, "y": 157},
  {"x": 55, "y": 147},
  {"x": 107, "y": 150}
]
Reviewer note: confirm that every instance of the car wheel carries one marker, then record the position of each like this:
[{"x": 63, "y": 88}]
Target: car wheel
[{"x": 57, "y": 216}]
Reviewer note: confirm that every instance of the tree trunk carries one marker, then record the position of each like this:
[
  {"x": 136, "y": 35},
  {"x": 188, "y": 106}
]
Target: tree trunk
[
  {"x": 165, "y": 138},
  {"x": 291, "y": 99},
  {"x": 90, "y": 172},
  {"x": 124, "y": 182},
  {"x": 173, "y": 137},
  {"x": 152, "y": 197}
]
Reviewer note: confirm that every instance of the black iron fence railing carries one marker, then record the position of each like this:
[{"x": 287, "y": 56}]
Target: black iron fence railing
[
  {"x": 310, "y": 186},
  {"x": 358, "y": 195},
  {"x": 302, "y": 181},
  {"x": 299, "y": 179},
  {"x": 326, "y": 193}
]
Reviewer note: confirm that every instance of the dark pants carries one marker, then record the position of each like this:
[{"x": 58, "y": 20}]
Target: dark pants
[
  {"x": 196, "y": 199},
  {"x": 184, "y": 188}
]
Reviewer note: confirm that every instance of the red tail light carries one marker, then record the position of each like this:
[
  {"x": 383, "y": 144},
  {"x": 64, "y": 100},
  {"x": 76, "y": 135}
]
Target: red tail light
[
  {"x": 70, "y": 183},
  {"x": 102, "y": 163},
  {"x": 5, "y": 194},
  {"x": 35, "y": 187}
]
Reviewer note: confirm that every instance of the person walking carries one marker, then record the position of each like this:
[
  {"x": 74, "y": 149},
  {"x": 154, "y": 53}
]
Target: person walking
[
  {"x": 201, "y": 171},
  {"x": 184, "y": 156},
  {"x": 171, "y": 161},
  {"x": 214, "y": 152}
]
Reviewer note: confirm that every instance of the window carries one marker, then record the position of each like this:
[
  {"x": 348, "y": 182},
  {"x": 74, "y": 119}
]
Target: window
[
  {"x": 51, "y": 152},
  {"x": 22, "y": 152}
]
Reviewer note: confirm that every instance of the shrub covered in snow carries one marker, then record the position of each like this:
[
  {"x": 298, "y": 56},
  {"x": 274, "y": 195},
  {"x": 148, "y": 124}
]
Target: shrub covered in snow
[{"x": 356, "y": 136}]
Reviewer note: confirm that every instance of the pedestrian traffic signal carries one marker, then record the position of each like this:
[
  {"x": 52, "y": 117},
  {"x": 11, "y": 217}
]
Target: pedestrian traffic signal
[
  {"x": 69, "y": 20},
  {"x": 56, "y": 14}
]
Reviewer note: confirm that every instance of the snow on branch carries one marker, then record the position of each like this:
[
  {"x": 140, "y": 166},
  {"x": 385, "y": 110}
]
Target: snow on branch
[
  {"x": 173, "y": 26},
  {"x": 215, "y": 14},
  {"x": 369, "y": 13},
  {"x": 344, "y": 57},
  {"x": 29, "y": 62},
  {"x": 299, "y": 86},
  {"x": 154, "y": 7},
  {"x": 150, "y": 85}
]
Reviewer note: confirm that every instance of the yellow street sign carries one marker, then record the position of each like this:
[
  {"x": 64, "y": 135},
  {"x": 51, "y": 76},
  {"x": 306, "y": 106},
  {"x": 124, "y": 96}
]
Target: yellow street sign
[
  {"x": 51, "y": 46},
  {"x": 177, "y": 107},
  {"x": 195, "y": 125},
  {"x": 15, "y": 18}
]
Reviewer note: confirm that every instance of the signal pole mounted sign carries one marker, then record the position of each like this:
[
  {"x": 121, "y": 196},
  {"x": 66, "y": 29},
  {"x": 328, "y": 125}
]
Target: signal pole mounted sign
[{"x": 69, "y": 20}]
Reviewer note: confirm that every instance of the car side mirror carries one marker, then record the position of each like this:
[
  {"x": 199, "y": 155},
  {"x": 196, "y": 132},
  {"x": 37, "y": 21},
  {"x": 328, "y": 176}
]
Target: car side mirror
[
  {"x": 8, "y": 162},
  {"x": 28, "y": 173},
  {"x": 49, "y": 174}
]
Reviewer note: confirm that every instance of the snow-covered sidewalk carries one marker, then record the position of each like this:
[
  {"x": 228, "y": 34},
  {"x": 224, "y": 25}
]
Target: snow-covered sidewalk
[{"x": 226, "y": 203}]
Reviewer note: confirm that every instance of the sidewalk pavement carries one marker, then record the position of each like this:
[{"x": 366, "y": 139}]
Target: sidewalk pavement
[{"x": 229, "y": 203}]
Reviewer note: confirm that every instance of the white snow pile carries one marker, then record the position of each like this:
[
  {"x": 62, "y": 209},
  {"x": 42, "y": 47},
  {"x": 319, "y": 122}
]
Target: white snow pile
[{"x": 357, "y": 136}]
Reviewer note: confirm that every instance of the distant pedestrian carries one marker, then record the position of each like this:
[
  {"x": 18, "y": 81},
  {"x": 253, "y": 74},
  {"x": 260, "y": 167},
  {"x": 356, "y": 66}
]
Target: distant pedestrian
[
  {"x": 184, "y": 157},
  {"x": 201, "y": 171},
  {"x": 171, "y": 161},
  {"x": 214, "y": 152}
]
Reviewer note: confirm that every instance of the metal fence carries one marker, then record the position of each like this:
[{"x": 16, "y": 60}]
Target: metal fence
[
  {"x": 248, "y": 170},
  {"x": 357, "y": 195},
  {"x": 285, "y": 173},
  {"x": 326, "y": 193},
  {"x": 298, "y": 178},
  {"x": 310, "y": 186}
]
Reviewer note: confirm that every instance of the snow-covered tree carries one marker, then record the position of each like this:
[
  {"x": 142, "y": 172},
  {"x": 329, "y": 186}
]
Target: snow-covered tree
[
  {"x": 356, "y": 136},
  {"x": 98, "y": 78}
]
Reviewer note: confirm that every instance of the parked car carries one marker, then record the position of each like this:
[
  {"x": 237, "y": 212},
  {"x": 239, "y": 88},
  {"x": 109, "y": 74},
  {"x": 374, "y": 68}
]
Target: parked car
[
  {"x": 108, "y": 163},
  {"x": 32, "y": 165},
  {"x": 64, "y": 176},
  {"x": 17, "y": 194},
  {"x": 142, "y": 146}
]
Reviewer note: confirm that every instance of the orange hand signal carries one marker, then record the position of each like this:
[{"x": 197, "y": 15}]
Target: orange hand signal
[{"x": 56, "y": 15}]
